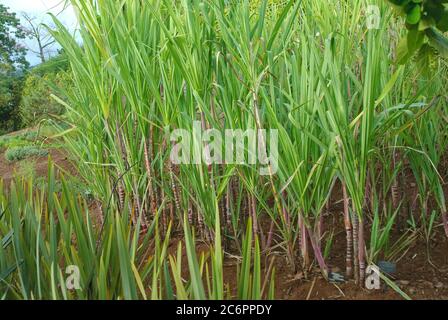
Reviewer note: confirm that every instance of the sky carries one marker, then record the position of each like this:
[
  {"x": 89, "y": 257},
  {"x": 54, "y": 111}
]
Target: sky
[{"x": 38, "y": 9}]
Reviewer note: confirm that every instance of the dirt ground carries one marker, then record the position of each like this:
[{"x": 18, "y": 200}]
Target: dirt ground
[
  {"x": 9, "y": 170},
  {"x": 417, "y": 275}
]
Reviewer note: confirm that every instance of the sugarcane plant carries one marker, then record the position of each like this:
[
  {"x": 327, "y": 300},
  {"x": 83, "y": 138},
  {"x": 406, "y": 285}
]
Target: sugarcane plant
[
  {"x": 54, "y": 246},
  {"x": 346, "y": 116}
]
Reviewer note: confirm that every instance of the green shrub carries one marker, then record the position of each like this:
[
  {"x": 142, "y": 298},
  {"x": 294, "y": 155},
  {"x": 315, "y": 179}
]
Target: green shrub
[
  {"x": 18, "y": 140},
  {"x": 26, "y": 169},
  {"x": 13, "y": 143},
  {"x": 53, "y": 65},
  {"x": 4, "y": 140},
  {"x": 10, "y": 96},
  {"x": 20, "y": 153},
  {"x": 37, "y": 103},
  {"x": 29, "y": 135}
]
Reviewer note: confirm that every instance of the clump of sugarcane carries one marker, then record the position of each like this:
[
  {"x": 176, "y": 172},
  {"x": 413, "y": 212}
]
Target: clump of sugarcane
[
  {"x": 400, "y": 200},
  {"x": 282, "y": 70},
  {"x": 136, "y": 206},
  {"x": 426, "y": 162}
]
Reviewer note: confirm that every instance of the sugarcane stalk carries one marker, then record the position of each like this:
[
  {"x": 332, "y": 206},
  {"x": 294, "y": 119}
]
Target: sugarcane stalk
[
  {"x": 320, "y": 229},
  {"x": 407, "y": 199},
  {"x": 228, "y": 209},
  {"x": 132, "y": 213},
  {"x": 201, "y": 224},
  {"x": 190, "y": 214},
  {"x": 287, "y": 222},
  {"x": 121, "y": 195},
  {"x": 174, "y": 186},
  {"x": 369, "y": 199},
  {"x": 246, "y": 205},
  {"x": 234, "y": 184},
  {"x": 445, "y": 222},
  {"x": 152, "y": 196},
  {"x": 285, "y": 213},
  {"x": 254, "y": 215},
  {"x": 139, "y": 209},
  {"x": 162, "y": 191},
  {"x": 318, "y": 253},
  {"x": 262, "y": 237},
  {"x": 355, "y": 224},
  {"x": 396, "y": 193},
  {"x": 348, "y": 233},
  {"x": 270, "y": 235},
  {"x": 304, "y": 245},
  {"x": 361, "y": 252},
  {"x": 124, "y": 156}
]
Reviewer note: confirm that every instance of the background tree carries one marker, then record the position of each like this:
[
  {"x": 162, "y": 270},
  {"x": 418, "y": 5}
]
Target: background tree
[
  {"x": 12, "y": 54},
  {"x": 12, "y": 65},
  {"x": 43, "y": 81},
  {"x": 10, "y": 96},
  {"x": 38, "y": 32}
]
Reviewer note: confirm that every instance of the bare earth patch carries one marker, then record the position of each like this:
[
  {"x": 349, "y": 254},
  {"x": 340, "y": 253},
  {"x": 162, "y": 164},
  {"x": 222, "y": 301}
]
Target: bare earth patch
[{"x": 8, "y": 170}]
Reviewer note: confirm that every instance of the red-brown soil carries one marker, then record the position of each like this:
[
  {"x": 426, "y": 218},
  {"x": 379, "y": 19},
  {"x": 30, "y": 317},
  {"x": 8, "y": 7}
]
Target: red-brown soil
[
  {"x": 9, "y": 170},
  {"x": 415, "y": 276}
]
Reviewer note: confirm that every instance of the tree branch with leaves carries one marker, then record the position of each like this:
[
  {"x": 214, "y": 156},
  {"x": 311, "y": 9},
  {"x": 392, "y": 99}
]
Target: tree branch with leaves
[
  {"x": 426, "y": 23},
  {"x": 12, "y": 53}
]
